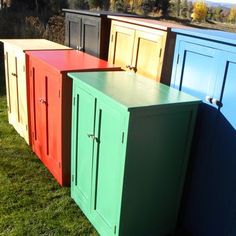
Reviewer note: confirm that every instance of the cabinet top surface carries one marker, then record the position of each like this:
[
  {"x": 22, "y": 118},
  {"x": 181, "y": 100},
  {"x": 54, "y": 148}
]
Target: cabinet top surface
[
  {"x": 216, "y": 35},
  {"x": 33, "y": 44},
  {"x": 163, "y": 25},
  {"x": 70, "y": 60},
  {"x": 98, "y": 13},
  {"x": 131, "y": 90}
]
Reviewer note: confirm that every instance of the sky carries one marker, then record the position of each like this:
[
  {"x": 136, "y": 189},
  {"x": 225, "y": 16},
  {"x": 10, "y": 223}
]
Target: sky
[{"x": 223, "y": 1}]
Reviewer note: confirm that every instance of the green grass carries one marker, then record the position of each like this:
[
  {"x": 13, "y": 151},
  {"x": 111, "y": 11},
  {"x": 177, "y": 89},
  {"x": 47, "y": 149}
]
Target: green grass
[{"x": 31, "y": 201}]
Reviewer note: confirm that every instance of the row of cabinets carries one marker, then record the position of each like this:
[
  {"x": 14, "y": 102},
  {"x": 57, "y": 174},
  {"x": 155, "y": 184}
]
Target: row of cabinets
[{"x": 138, "y": 45}]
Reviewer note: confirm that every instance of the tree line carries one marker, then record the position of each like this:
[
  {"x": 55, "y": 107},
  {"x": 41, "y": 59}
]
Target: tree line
[{"x": 44, "y": 18}]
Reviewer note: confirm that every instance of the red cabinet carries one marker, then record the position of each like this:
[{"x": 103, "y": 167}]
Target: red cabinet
[{"x": 50, "y": 104}]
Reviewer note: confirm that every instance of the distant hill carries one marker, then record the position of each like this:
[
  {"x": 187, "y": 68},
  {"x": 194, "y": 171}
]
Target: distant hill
[{"x": 217, "y": 4}]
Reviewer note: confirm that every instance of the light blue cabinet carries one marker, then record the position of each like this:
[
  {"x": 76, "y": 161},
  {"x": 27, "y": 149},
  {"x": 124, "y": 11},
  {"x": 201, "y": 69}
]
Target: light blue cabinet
[{"x": 205, "y": 66}]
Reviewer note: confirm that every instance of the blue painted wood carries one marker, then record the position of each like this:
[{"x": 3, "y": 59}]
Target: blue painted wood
[
  {"x": 205, "y": 66},
  {"x": 215, "y": 35}
]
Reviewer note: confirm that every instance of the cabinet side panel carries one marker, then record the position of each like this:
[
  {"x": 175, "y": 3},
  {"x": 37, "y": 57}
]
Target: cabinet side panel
[
  {"x": 2, "y": 68},
  {"x": 168, "y": 58},
  {"x": 105, "y": 35},
  {"x": 157, "y": 154},
  {"x": 66, "y": 105}
]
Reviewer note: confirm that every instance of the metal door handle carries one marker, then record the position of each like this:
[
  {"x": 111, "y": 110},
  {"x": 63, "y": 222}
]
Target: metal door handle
[
  {"x": 41, "y": 100},
  {"x": 79, "y": 48},
  {"x": 208, "y": 99},
  {"x": 14, "y": 74},
  {"x": 93, "y": 137},
  {"x": 217, "y": 102}
]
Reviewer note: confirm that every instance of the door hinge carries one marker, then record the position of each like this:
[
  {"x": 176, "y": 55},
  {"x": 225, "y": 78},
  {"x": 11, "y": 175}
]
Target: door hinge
[
  {"x": 115, "y": 229},
  {"x": 26, "y": 127},
  {"x": 59, "y": 164},
  {"x": 111, "y": 38},
  {"x": 160, "y": 52},
  {"x": 74, "y": 101},
  {"x": 178, "y": 59},
  {"x": 123, "y": 137},
  {"x": 72, "y": 178},
  {"x": 23, "y": 68}
]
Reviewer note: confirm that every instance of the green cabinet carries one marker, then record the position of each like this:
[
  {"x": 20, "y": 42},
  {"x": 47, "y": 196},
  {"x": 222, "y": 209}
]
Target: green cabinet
[{"x": 130, "y": 144}]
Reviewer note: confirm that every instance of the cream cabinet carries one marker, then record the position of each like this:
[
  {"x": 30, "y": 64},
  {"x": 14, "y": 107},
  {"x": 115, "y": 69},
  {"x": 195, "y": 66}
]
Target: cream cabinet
[
  {"x": 142, "y": 46},
  {"x": 15, "y": 76}
]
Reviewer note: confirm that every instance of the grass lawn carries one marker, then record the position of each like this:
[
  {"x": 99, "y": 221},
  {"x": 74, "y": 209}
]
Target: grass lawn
[{"x": 31, "y": 201}]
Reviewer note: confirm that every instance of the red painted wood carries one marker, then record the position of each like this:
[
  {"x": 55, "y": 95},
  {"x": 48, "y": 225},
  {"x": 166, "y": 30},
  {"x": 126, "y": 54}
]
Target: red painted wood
[
  {"x": 70, "y": 60},
  {"x": 50, "y": 101}
]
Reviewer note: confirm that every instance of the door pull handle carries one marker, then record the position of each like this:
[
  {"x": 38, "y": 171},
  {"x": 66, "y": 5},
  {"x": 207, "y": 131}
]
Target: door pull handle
[
  {"x": 14, "y": 74},
  {"x": 93, "y": 137},
  {"x": 217, "y": 102},
  {"x": 41, "y": 100}
]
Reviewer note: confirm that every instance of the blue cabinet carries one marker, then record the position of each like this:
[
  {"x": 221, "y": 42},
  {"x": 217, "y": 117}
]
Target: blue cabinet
[{"x": 205, "y": 66}]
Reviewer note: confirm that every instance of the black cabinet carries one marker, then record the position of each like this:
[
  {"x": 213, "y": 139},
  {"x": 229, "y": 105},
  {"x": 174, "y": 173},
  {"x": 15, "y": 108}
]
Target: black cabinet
[{"x": 87, "y": 31}]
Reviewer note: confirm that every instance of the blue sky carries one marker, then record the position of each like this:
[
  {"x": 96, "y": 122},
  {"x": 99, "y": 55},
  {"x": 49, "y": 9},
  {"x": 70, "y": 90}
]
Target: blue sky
[{"x": 223, "y": 1}]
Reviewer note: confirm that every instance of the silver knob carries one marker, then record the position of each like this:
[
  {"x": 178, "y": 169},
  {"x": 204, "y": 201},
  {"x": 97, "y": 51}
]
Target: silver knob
[
  {"x": 217, "y": 102},
  {"x": 208, "y": 99}
]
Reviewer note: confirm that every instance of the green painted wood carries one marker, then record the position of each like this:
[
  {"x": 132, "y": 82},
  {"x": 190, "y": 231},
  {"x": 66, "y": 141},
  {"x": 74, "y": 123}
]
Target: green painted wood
[
  {"x": 136, "y": 154},
  {"x": 131, "y": 91}
]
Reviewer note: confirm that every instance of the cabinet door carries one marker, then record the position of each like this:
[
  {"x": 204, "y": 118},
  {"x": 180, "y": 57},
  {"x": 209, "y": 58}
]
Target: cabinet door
[
  {"x": 22, "y": 94},
  {"x": 121, "y": 46},
  {"x": 13, "y": 93},
  {"x": 83, "y": 113},
  {"x": 196, "y": 69},
  {"x": 73, "y": 31},
  {"x": 148, "y": 54},
  {"x": 46, "y": 125},
  {"x": 107, "y": 177},
  {"x": 38, "y": 111},
  {"x": 225, "y": 90},
  {"x": 91, "y": 36}
]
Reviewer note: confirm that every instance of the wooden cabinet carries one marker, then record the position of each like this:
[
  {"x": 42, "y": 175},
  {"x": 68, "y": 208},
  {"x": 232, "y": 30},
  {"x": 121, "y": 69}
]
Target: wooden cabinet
[
  {"x": 205, "y": 66},
  {"x": 15, "y": 75},
  {"x": 87, "y": 31},
  {"x": 130, "y": 142},
  {"x": 50, "y": 104},
  {"x": 142, "y": 46}
]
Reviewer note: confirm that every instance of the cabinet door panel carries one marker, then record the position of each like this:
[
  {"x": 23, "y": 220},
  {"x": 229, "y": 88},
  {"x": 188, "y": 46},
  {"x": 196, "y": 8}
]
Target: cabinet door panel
[
  {"x": 23, "y": 113},
  {"x": 82, "y": 145},
  {"x": 226, "y": 88},
  {"x": 90, "y": 36},
  {"x": 38, "y": 98},
  {"x": 196, "y": 70},
  {"x": 73, "y": 31},
  {"x": 108, "y": 154},
  {"x": 52, "y": 121},
  {"x": 121, "y": 46},
  {"x": 147, "y": 55},
  {"x": 13, "y": 88}
]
